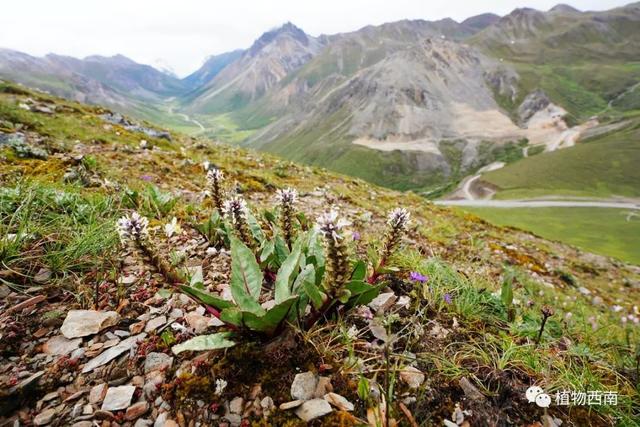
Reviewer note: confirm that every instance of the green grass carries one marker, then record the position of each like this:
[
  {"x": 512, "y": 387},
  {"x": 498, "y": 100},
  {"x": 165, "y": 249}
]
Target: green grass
[
  {"x": 603, "y": 166},
  {"x": 612, "y": 232}
]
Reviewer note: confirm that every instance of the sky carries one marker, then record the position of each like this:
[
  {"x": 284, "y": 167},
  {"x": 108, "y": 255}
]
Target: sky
[{"x": 180, "y": 34}]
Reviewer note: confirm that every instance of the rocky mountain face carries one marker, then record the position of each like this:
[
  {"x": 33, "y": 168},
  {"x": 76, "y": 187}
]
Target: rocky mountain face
[{"x": 422, "y": 101}]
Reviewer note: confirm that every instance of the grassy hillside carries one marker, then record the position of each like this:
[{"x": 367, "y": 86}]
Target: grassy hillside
[
  {"x": 470, "y": 326},
  {"x": 601, "y": 166},
  {"x": 609, "y": 232}
]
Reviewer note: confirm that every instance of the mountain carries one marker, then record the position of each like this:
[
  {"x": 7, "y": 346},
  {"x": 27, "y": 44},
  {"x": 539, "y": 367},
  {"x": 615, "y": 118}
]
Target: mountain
[
  {"x": 564, "y": 34},
  {"x": 411, "y": 104},
  {"x": 211, "y": 67},
  {"x": 271, "y": 58}
]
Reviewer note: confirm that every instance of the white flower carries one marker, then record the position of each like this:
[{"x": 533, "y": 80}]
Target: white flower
[
  {"x": 616, "y": 308},
  {"x": 399, "y": 218},
  {"x": 215, "y": 176},
  {"x": 330, "y": 224},
  {"x": 352, "y": 333},
  {"x": 172, "y": 227},
  {"x": 205, "y": 165},
  {"x": 288, "y": 196},
  {"x": 132, "y": 226},
  {"x": 220, "y": 386},
  {"x": 143, "y": 144},
  {"x": 236, "y": 208}
]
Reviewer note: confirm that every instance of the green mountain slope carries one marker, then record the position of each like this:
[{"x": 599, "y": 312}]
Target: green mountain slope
[
  {"x": 598, "y": 166},
  {"x": 473, "y": 295}
]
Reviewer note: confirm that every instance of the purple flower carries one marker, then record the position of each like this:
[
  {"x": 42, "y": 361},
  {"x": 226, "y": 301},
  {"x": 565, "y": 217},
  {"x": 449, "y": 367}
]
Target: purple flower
[
  {"x": 146, "y": 178},
  {"x": 447, "y": 298},
  {"x": 417, "y": 277},
  {"x": 355, "y": 235}
]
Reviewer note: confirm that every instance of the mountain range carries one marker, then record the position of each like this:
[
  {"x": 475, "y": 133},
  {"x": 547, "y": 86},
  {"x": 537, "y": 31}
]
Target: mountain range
[{"x": 411, "y": 104}]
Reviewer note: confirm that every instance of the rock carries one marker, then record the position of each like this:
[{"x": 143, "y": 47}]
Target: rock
[
  {"x": 153, "y": 381},
  {"x": 236, "y": 405},
  {"x": 157, "y": 362},
  {"x": 323, "y": 387},
  {"x": 26, "y": 304},
  {"x": 118, "y": 398},
  {"x": 383, "y": 301},
  {"x": 412, "y": 377},
  {"x": 448, "y": 423},
  {"x": 267, "y": 404},
  {"x": 532, "y": 103},
  {"x": 44, "y": 417},
  {"x": 42, "y": 276},
  {"x": 304, "y": 386},
  {"x": 161, "y": 419},
  {"x": 470, "y": 390},
  {"x": 143, "y": 423},
  {"x": 198, "y": 322},
  {"x": 290, "y": 405},
  {"x": 112, "y": 353},
  {"x": 97, "y": 393},
  {"x": 61, "y": 346},
  {"x": 339, "y": 402},
  {"x": 312, "y": 409},
  {"x": 154, "y": 324},
  {"x": 136, "y": 411},
  {"x": 81, "y": 323},
  {"x": 82, "y": 424}
]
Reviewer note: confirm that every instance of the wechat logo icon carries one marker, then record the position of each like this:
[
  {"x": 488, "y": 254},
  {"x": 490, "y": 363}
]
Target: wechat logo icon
[{"x": 536, "y": 394}]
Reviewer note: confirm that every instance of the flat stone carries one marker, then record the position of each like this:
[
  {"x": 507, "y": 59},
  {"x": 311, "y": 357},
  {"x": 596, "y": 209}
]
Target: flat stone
[
  {"x": 339, "y": 402},
  {"x": 81, "y": 323},
  {"x": 157, "y": 362},
  {"x": 412, "y": 377},
  {"x": 470, "y": 390},
  {"x": 136, "y": 411},
  {"x": 383, "y": 301},
  {"x": 61, "y": 346},
  {"x": 112, "y": 353},
  {"x": 154, "y": 324},
  {"x": 323, "y": 387},
  {"x": 97, "y": 393},
  {"x": 44, "y": 417},
  {"x": 304, "y": 386},
  {"x": 118, "y": 398},
  {"x": 198, "y": 322},
  {"x": 312, "y": 409},
  {"x": 290, "y": 405},
  {"x": 236, "y": 405}
]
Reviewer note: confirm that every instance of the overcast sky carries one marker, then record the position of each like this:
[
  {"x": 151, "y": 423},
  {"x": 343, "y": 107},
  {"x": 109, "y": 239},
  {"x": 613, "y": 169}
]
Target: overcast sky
[{"x": 182, "y": 33}]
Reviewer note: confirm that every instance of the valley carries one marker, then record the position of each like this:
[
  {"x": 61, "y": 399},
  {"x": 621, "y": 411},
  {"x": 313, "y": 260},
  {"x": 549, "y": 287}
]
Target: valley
[{"x": 432, "y": 107}]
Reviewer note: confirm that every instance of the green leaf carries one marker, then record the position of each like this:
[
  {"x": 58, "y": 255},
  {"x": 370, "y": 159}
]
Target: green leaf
[
  {"x": 281, "y": 249},
  {"x": 307, "y": 280},
  {"x": 246, "y": 277},
  {"x": 269, "y": 321},
  {"x": 197, "y": 276},
  {"x": 206, "y": 298},
  {"x": 205, "y": 342},
  {"x": 164, "y": 293},
  {"x": 255, "y": 228},
  {"x": 359, "y": 271},
  {"x": 287, "y": 269},
  {"x": 362, "y": 293},
  {"x": 232, "y": 315},
  {"x": 268, "y": 249}
]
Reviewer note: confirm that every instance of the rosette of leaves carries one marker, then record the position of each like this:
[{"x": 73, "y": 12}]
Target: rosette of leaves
[{"x": 297, "y": 284}]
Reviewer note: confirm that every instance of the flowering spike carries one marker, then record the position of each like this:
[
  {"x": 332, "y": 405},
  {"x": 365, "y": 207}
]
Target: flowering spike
[
  {"x": 287, "y": 199},
  {"x": 215, "y": 177},
  {"x": 338, "y": 265},
  {"x": 236, "y": 209},
  {"x": 398, "y": 222},
  {"x": 132, "y": 227}
]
